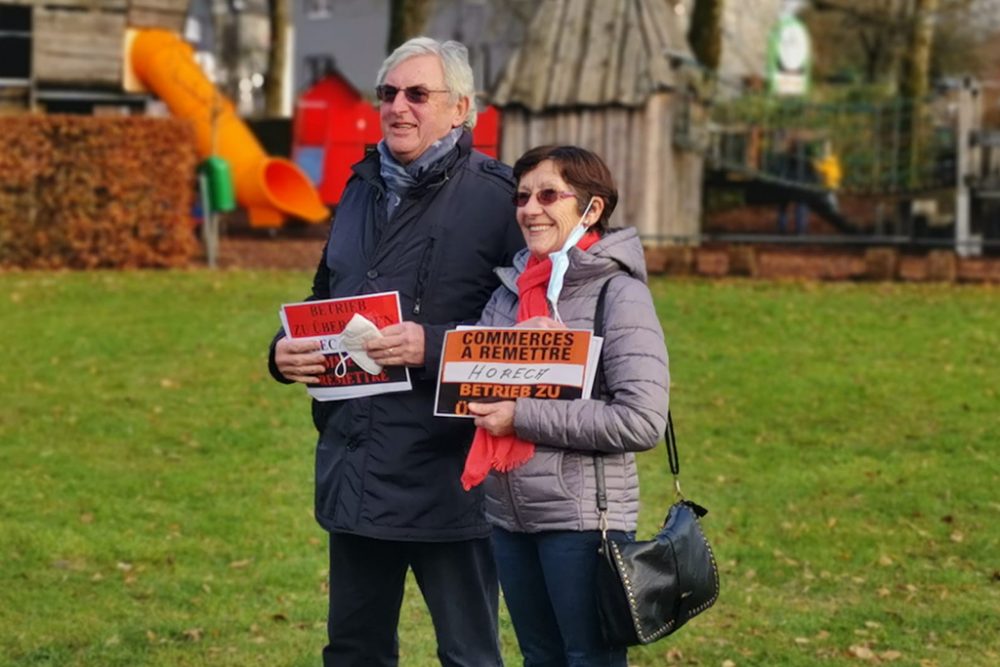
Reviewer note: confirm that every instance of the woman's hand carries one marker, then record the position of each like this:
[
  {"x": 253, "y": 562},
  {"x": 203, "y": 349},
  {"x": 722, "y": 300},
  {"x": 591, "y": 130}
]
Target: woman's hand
[
  {"x": 299, "y": 360},
  {"x": 400, "y": 345},
  {"x": 494, "y": 418},
  {"x": 541, "y": 322}
]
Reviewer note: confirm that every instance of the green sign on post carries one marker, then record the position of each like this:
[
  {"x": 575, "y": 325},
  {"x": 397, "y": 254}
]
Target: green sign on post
[{"x": 221, "y": 194}]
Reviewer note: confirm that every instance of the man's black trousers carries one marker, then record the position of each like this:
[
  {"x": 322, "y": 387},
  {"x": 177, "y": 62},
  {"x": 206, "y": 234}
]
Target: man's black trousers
[{"x": 457, "y": 579}]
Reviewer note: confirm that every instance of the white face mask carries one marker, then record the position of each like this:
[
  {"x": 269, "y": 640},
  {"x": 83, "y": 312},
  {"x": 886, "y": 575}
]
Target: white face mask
[
  {"x": 358, "y": 331},
  {"x": 560, "y": 261}
]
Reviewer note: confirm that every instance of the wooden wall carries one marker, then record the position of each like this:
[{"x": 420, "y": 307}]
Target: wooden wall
[
  {"x": 80, "y": 42},
  {"x": 166, "y": 14},
  {"x": 659, "y": 185}
]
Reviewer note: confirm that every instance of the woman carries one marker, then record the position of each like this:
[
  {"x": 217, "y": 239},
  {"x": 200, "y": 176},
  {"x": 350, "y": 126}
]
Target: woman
[{"x": 544, "y": 508}]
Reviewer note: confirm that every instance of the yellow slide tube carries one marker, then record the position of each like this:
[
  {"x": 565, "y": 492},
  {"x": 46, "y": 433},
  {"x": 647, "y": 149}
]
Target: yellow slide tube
[{"x": 269, "y": 188}]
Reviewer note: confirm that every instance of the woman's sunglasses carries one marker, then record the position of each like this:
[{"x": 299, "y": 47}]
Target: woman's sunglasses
[
  {"x": 545, "y": 197},
  {"x": 414, "y": 94}
]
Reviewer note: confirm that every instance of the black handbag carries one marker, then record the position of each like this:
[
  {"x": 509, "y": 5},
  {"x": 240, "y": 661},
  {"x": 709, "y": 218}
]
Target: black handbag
[{"x": 648, "y": 589}]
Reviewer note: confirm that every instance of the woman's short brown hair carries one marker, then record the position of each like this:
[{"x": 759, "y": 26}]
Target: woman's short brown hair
[{"x": 583, "y": 170}]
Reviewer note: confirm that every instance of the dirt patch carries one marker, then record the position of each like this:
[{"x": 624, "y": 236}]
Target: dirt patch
[{"x": 268, "y": 253}]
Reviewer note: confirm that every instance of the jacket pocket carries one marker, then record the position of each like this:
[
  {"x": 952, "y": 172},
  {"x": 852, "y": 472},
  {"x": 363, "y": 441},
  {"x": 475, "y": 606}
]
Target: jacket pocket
[{"x": 544, "y": 491}]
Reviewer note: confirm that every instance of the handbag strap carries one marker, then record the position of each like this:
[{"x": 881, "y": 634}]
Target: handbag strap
[{"x": 669, "y": 438}]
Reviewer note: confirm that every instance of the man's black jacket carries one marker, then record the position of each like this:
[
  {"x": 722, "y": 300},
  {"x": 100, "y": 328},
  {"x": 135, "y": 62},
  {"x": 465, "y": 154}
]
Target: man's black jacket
[{"x": 385, "y": 466}]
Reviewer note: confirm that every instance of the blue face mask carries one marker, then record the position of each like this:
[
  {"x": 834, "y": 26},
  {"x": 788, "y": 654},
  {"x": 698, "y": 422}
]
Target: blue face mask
[{"x": 560, "y": 262}]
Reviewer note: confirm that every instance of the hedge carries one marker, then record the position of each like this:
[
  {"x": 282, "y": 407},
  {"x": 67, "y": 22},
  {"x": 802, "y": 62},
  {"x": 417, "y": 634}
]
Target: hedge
[{"x": 95, "y": 192}]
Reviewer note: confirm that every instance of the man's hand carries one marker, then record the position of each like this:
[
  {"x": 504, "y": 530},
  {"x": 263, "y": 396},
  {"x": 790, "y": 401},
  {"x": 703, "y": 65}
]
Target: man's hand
[
  {"x": 299, "y": 360},
  {"x": 495, "y": 418},
  {"x": 400, "y": 345}
]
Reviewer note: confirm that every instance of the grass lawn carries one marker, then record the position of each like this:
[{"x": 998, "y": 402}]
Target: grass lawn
[{"x": 156, "y": 486}]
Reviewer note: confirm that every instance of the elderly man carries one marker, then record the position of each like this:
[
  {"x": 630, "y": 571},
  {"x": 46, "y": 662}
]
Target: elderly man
[{"x": 427, "y": 216}]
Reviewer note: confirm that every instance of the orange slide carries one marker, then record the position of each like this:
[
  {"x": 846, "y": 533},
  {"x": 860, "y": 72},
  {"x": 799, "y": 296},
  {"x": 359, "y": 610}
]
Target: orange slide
[{"x": 269, "y": 188}]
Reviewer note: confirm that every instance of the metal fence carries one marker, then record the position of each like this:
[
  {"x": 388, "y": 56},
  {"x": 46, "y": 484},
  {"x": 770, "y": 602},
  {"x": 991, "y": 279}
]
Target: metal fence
[{"x": 889, "y": 147}]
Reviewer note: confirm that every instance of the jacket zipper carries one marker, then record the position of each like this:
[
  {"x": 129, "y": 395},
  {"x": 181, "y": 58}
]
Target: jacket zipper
[
  {"x": 423, "y": 270},
  {"x": 512, "y": 504}
]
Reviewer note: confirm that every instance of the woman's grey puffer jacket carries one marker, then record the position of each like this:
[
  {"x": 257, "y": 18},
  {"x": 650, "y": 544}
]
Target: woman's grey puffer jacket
[{"x": 556, "y": 489}]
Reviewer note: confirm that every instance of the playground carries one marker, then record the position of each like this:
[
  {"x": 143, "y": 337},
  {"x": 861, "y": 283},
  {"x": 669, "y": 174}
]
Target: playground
[{"x": 909, "y": 174}]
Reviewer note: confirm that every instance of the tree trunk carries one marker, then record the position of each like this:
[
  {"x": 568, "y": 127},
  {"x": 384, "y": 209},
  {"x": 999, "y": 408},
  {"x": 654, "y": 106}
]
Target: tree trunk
[
  {"x": 705, "y": 33},
  {"x": 916, "y": 64},
  {"x": 274, "y": 81},
  {"x": 407, "y": 18},
  {"x": 915, "y": 84}
]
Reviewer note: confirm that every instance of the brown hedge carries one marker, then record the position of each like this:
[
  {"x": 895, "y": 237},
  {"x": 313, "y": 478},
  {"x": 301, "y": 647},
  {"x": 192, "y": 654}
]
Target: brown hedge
[{"x": 88, "y": 192}]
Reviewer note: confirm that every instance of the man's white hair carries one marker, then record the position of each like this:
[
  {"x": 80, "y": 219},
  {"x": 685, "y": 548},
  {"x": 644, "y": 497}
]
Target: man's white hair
[{"x": 454, "y": 61}]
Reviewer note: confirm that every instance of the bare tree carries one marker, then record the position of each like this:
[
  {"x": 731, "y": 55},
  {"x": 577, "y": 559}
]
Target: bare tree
[
  {"x": 705, "y": 32},
  {"x": 274, "y": 80},
  {"x": 407, "y": 18},
  {"x": 887, "y": 40},
  {"x": 915, "y": 79}
]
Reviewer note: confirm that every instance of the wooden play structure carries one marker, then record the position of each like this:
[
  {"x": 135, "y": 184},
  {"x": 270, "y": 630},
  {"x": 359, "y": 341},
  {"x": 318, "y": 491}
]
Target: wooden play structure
[{"x": 598, "y": 74}]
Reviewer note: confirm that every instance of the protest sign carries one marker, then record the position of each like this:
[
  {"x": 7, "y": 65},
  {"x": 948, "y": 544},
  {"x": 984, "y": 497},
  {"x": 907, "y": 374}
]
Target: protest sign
[
  {"x": 324, "y": 321},
  {"x": 495, "y": 364}
]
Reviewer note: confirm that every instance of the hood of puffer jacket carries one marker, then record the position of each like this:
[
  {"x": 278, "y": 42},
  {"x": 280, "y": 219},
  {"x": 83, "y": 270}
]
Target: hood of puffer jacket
[{"x": 618, "y": 250}]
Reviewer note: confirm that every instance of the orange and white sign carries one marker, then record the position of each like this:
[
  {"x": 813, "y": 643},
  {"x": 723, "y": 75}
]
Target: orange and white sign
[{"x": 480, "y": 364}]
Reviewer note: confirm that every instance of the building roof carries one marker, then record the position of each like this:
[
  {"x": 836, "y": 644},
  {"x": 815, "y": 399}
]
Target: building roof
[{"x": 592, "y": 53}]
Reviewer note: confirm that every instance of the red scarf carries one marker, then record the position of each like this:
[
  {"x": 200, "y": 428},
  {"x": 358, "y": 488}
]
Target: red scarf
[{"x": 507, "y": 452}]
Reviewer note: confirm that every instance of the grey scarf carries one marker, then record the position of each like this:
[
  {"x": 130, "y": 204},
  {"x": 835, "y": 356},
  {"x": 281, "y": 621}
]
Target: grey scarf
[{"x": 399, "y": 178}]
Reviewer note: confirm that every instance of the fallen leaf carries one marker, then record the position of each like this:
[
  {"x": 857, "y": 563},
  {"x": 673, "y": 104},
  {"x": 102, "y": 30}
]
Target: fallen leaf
[
  {"x": 889, "y": 656},
  {"x": 801, "y": 640},
  {"x": 957, "y": 536},
  {"x": 861, "y": 652},
  {"x": 885, "y": 561},
  {"x": 86, "y": 517},
  {"x": 883, "y": 592},
  {"x": 193, "y": 634},
  {"x": 239, "y": 564},
  {"x": 728, "y": 663},
  {"x": 831, "y": 522},
  {"x": 873, "y": 624}
]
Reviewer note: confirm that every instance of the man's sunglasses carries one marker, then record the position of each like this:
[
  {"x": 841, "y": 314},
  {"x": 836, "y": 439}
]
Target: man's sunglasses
[
  {"x": 414, "y": 94},
  {"x": 545, "y": 197}
]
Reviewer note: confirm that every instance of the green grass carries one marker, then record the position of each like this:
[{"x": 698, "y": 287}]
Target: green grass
[{"x": 156, "y": 486}]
